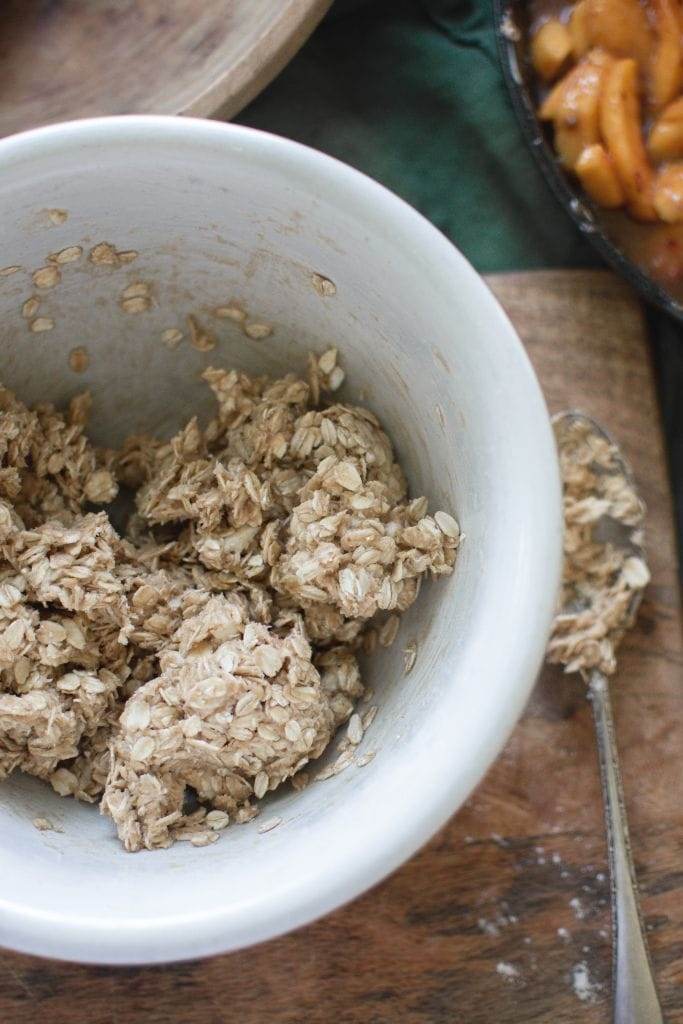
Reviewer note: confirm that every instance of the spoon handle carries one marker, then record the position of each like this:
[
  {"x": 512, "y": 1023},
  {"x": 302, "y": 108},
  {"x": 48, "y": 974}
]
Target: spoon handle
[{"x": 635, "y": 995}]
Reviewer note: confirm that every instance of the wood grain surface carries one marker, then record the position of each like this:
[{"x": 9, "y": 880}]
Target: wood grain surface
[
  {"x": 63, "y": 59},
  {"x": 504, "y": 916}
]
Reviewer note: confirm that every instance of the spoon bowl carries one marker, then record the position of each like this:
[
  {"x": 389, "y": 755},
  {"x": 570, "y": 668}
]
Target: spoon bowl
[{"x": 608, "y": 530}]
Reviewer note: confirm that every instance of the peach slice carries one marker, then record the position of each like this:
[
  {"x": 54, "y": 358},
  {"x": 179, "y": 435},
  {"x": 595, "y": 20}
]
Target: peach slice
[
  {"x": 621, "y": 133},
  {"x": 579, "y": 29},
  {"x": 550, "y": 49},
  {"x": 621, "y": 27},
  {"x": 573, "y": 106},
  {"x": 596, "y": 172},
  {"x": 668, "y": 193},
  {"x": 666, "y": 135},
  {"x": 665, "y": 64}
]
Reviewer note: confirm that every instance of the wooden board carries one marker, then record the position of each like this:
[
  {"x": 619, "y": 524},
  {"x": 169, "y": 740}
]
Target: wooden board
[
  {"x": 504, "y": 916},
  {"x": 65, "y": 59}
]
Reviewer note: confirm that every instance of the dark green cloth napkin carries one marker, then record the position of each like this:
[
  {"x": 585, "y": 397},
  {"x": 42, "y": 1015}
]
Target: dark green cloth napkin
[{"x": 411, "y": 93}]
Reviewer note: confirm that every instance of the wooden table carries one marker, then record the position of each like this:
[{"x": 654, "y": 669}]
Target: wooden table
[{"x": 504, "y": 916}]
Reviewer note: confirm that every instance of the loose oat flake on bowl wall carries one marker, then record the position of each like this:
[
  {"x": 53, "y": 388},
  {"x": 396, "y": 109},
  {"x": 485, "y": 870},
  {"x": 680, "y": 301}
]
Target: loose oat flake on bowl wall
[{"x": 211, "y": 650}]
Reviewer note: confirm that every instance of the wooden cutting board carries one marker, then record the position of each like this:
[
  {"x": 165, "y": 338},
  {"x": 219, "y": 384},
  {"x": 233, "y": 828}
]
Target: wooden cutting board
[
  {"x": 504, "y": 916},
  {"x": 65, "y": 59}
]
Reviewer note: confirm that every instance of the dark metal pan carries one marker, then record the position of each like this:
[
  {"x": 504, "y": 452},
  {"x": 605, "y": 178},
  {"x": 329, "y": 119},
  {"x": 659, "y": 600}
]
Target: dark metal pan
[{"x": 511, "y": 23}]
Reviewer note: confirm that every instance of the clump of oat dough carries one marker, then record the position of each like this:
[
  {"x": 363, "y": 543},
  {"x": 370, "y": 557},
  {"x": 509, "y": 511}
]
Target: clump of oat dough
[{"x": 211, "y": 651}]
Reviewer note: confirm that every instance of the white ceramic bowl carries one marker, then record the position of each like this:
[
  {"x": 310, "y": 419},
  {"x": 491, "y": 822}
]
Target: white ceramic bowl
[{"x": 218, "y": 212}]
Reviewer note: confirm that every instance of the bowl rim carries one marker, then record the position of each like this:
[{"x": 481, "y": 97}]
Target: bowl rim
[{"x": 166, "y": 938}]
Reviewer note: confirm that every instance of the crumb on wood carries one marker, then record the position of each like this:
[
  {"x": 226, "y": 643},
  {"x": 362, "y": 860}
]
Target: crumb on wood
[
  {"x": 409, "y": 656},
  {"x": 585, "y": 989}
]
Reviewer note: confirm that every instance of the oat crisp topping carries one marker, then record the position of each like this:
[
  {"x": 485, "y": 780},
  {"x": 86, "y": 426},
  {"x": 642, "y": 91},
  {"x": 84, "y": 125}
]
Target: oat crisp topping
[
  {"x": 603, "y": 571},
  {"x": 180, "y": 672}
]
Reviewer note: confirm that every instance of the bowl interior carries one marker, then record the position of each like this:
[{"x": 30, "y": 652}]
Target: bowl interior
[{"x": 220, "y": 214}]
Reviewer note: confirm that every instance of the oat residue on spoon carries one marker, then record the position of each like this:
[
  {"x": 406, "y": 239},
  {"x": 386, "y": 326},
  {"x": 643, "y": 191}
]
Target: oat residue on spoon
[{"x": 603, "y": 568}]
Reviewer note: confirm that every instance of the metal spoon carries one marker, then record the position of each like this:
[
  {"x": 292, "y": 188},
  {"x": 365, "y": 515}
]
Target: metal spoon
[{"x": 634, "y": 991}]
